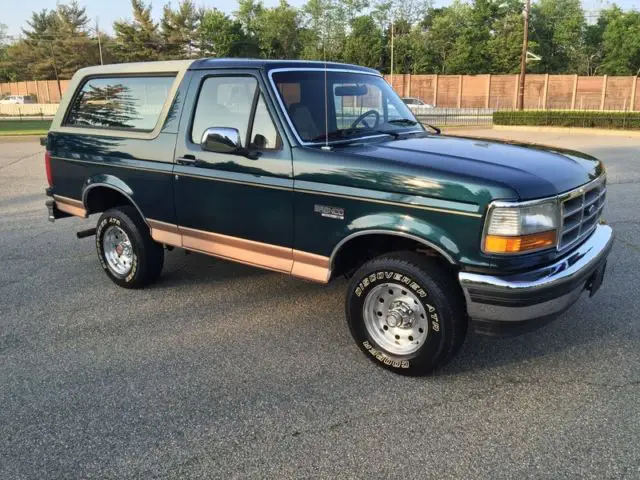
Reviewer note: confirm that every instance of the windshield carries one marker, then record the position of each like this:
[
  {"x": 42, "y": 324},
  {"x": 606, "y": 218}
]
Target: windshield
[{"x": 358, "y": 105}]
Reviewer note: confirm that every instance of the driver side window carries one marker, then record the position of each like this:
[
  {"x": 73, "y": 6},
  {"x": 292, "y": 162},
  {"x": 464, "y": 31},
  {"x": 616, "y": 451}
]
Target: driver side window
[
  {"x": 228, "y": 102},
  {"x": 224, "y": 102}
]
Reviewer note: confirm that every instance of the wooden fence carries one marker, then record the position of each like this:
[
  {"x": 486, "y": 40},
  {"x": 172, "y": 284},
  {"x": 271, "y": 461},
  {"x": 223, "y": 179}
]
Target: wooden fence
[
  {"x": 29, "y": 110},
  {"x": 570, "y": 92}
]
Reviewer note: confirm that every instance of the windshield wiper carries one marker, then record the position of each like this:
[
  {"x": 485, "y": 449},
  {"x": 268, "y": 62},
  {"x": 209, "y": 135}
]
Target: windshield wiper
[
  {"x": 435, "y": 129},
  {"x": 402, "y": 121},
  {"x": 409, "y": 122},
  {"x": 352, "y": 134}
]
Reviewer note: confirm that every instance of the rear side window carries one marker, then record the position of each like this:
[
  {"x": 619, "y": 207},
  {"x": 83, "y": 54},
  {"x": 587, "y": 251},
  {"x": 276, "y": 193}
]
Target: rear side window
[{"x": 129, "y": 103}]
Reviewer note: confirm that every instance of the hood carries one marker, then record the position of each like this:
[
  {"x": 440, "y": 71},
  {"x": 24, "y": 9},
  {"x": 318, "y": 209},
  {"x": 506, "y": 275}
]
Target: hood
[{"x": 532, "y": 171}]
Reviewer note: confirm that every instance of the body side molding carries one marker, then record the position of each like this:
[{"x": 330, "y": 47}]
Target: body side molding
[
  {"x": 71, "y": 206},
  {"x": 301, "y": 264}
]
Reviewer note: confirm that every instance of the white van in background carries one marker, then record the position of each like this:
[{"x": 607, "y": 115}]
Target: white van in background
[{"x": 18, "y": 100}]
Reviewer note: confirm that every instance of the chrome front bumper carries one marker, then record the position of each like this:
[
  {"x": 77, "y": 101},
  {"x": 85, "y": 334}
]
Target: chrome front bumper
[{"x": 542, "y": 293}]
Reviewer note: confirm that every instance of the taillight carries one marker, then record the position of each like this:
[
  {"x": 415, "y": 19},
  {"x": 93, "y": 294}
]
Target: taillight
[{"x": 47, "y": 166}]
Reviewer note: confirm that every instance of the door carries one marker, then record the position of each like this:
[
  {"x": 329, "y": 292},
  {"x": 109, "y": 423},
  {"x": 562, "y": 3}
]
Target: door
[{"x": 237, "y": 206}]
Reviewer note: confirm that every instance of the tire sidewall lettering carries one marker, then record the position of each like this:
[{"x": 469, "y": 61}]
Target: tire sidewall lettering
[
  {"x": 405, "y": 280},
  {"x": 99, "y": 234}
]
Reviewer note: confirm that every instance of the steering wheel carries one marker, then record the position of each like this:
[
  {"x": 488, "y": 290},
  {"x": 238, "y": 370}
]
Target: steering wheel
[{"x": 361, "y": 119}]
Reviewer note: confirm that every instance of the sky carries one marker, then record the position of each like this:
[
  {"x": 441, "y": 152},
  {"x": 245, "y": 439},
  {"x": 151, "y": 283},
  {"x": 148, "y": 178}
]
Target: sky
[{"x": 14, "y": 13}]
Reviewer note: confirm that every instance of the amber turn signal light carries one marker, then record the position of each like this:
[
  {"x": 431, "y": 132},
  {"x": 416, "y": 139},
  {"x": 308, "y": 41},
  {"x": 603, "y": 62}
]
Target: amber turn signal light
[{"x": 523, "y": 243}]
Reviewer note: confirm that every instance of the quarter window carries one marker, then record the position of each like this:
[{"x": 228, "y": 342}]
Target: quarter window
[
  {"x": 264, "y": 135},
  {"x": 128, "y": 103}
]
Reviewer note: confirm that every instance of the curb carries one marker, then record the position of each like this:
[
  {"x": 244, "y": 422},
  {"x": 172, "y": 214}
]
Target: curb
[
  {"x": 25, "y": 137},
  {"x": 569, "y": 130}
]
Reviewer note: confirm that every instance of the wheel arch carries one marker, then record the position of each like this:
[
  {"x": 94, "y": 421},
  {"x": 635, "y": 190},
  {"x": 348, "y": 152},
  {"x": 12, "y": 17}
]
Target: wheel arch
[
  {"x": 117, "y": 193},
  {"x": 353, "y": 242}
]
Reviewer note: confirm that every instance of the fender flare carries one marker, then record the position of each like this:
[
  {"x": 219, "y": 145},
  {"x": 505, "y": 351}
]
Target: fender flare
[
  {"x": 377, "y": 231},
  {"x": 114, "y": 183}
]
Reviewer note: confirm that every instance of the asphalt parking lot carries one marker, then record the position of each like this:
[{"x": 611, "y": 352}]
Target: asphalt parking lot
[{"x": 222, "y": 371}]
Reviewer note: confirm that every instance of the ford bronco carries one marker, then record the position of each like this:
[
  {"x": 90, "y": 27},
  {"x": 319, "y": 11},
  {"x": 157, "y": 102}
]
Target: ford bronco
[{"x": 319, "y": 170}]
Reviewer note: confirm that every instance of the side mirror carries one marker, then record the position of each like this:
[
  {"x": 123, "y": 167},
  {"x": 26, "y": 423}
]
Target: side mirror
[{"x": 221, "y": 140}]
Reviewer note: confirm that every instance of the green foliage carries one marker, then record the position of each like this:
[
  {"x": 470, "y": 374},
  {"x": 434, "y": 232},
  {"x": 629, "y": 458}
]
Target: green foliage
[
  {"x": 557, "y": 27},
  {"x": 364, "y": 45},
  {"x": 621, "y": 43},
  {"x": 569, "y": 118},
  {"x": 55, "y": 45},
  {"x": 177, "y": 29},
  {"x": 465, "y": 37},
  {"x": 221, "y": 36},
  {"x": 277, "y": 31},
  {"x": 138, "y": 39}
]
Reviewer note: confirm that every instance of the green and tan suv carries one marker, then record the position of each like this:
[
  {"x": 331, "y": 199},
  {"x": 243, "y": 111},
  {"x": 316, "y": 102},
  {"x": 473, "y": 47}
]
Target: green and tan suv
[{"x": 320, "y": 171}]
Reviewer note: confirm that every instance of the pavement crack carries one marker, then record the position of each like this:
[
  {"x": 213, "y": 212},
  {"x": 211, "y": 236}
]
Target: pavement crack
[
  {"x": 478, "y": 395},
  {"x": 628, "y": 244},
  {"x": 606, "y": 385},
  {"x": 19, "y": 160}
]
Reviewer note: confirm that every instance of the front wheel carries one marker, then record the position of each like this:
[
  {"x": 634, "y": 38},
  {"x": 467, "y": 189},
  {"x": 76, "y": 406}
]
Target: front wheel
[
  {"x": 406, "y": 313},
  {"x": 126, "y": 250}
]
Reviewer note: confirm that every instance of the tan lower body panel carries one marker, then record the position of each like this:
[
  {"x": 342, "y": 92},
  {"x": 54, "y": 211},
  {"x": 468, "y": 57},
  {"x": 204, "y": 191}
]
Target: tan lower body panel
[
  {"x": 272, "y": 257},
  {"x": 71, "y": 206},
  {"x": 165, "y": 233}
]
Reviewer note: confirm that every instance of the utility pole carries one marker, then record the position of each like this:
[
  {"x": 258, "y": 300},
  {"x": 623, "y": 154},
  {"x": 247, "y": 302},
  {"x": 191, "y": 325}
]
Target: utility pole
[
  {"x": 99, "y": 41},
  {"x": 55, "y": 68},
  {"x": 392, "y": 19},
  {"x": 523, "y": 59}
]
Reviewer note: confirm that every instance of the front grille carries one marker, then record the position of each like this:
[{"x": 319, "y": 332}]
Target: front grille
[{"x": 581, "y": 210}]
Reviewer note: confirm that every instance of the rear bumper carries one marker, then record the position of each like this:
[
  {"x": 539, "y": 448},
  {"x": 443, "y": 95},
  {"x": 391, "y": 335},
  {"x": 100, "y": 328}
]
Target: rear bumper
[{"x": 530, "y": 298}]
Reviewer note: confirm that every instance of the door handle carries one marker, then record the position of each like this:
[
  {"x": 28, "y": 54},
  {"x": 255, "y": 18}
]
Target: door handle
[{"x": 187, "y": 160}]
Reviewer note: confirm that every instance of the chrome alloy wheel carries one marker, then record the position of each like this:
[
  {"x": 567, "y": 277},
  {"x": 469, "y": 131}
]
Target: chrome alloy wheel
[
  {"x": 117, "y": 249},
  {"x": 395, "y": 318}
]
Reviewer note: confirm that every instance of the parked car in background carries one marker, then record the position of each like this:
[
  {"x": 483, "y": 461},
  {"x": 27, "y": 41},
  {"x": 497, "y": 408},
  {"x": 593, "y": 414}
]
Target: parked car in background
[
  {"x": 319, "y": 171},
  {"x": 413, "y": 101},
  {"x": 18, "y": 100}
]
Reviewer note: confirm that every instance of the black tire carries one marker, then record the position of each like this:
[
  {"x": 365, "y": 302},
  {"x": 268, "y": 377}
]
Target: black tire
[
  {"x": 147, "y": 255},
  {"x": 438, "y": 301}
]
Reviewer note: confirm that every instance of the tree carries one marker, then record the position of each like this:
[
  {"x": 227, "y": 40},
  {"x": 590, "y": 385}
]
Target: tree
[
  {"x": 505, "y": 38},
  {"x": 557, "y": 28},
  {"x": 137, "y": 40},
  {"x": 621, "y": 43},
  {"x": 593, "y": 46},
  {"x": 73, "y": 47},
  {"x": 5, "y": 73},
  {"x": 55, "y": 45},
  {"x": 324, "y": 31},
  {"x": 247, "y": 14},
  {"x": 178, "y": 30},
  {"x": 364, "y": 45},
  {"x": 221, "y": 36},
  {"x": 277, "y": 31},
  {"x": 443, "y": 45}
]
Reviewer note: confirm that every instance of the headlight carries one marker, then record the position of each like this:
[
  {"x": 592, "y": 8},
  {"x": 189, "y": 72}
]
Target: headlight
[{"x": 513, "y": 228}]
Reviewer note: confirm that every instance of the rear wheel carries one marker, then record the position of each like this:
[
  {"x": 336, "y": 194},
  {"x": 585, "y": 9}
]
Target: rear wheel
[
  {"x": 126, "y": 250},
  {"x": 406, "y": 313}
]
